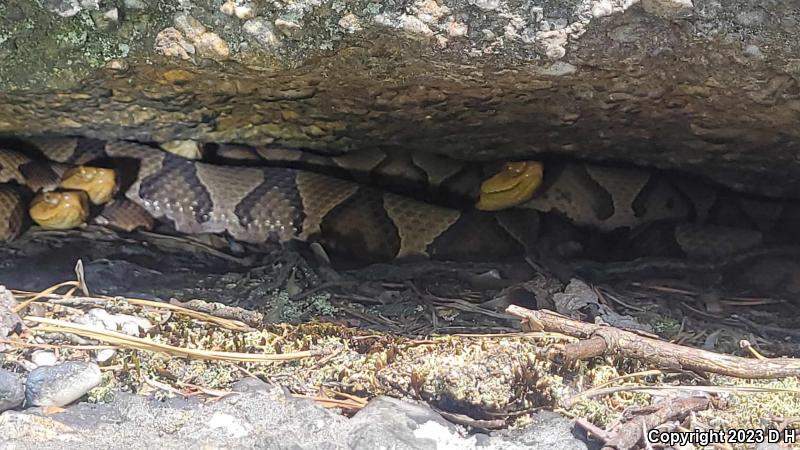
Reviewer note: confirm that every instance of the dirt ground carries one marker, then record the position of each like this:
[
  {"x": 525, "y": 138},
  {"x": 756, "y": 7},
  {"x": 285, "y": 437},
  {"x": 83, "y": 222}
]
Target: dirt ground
[{"x": 425, "y": 330}]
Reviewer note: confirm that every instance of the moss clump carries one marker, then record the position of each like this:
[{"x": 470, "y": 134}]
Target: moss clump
[{"x": 39, "y": 49}]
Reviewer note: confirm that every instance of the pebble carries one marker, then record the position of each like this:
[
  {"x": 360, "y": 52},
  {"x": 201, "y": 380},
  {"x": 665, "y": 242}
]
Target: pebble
[
  {"x": 104, "y": 355},
  {"x": 350, "y": 23},
  {"x": 412, "y": 24},
  {"x": 211, "y": 46},
  {"x": 44, "y": 358},
  {"x": 12, "y": 390},
  {"x": 228, "y": 8},
  {"x": 64, "y": 8},
  {"x": 287, "y": 27},
  {"x": 127, "y": 324},
  {"x": 753, "y": 52},
  {"x": 552, "y": 43},
  {"x": 189, "y": 26},
  {"x": 602, "y": 8},
  {"x": 262, "y": 32},
  {"x": 170, "y": 42},
  {"x": 457, "y": 29},
  {"x": 118, "y": 65},
  {"x": 61, "y": 384},
  {"x": 245, "y": 11}
]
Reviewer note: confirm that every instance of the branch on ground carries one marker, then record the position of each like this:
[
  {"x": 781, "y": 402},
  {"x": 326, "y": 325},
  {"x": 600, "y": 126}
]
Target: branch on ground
[{"x": 599, "y": 340}]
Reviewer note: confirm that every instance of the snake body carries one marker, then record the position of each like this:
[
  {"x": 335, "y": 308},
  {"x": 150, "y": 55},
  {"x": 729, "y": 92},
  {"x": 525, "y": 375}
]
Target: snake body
[
  {"x": 264, "y": 203},
  {"x": 278, "y": 204}
]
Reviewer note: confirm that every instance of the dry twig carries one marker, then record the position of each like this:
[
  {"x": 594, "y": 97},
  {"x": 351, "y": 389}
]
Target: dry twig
[
  {"x": 600, "y": 339},
  {"x": 630, "y": 433}
]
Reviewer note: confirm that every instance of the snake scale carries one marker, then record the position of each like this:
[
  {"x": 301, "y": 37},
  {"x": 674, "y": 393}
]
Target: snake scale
[{"x": 253, "y": 202}]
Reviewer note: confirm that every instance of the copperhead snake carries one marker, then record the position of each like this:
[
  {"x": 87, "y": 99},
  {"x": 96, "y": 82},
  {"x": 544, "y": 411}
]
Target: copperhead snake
[{"x": 257, "y": 203}]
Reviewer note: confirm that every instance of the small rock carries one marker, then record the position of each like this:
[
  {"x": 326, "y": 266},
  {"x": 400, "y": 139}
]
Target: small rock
[
  {"x": 12, "y": 390},
  {"x": 118, "y": 65},
  {"x": 559, "y": 69},
  {"x": 189, "y": 26},
  {"x": 602, "y": 8},
  {"x": 669, "y": 9},
  {"x": 211, "y": 46},
  {"x": 64, "y": 8},
  {"x": 262, "y": 32},
  {"x": 228, "y": 8},
  {"x": 90, "y": 4},
  {"x": 753, "y": 52},
  {"x": 252, "y": 384},
  {"x": 245, "y": 11},
  {"x": 43, "y": 358},
  {"x": 457, "y": 29},
  {"x": 552, "y": 43},
  {"x": 170, "y": 42},
  {"x": 108, "y": 320},
  {"x": 431, "y": 10},
  {"x": 350, "y": 23},
  {"x": 61, "y": 384},
  {"x": 104, "y": 355},
  {"x": 112, "y": 15},
  {"x": 549, "y": 431},
  {"x": 412, "y": 24},
  {"x": 486, "y": 5},
  {"x": 130, "y": 328},
  {"x": 386, "y": 421},
  {"x": 140, "y": 322},
  {"x": 287, "y": 27},
  {"x": 90, "y": 321}
]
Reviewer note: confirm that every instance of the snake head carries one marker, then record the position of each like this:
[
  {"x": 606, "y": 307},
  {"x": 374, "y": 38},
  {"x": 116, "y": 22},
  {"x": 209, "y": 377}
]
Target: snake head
[
  {"x": 515, "y": 184},
  {"x": 98, "y": 183},
  {"x": 60, "y": 210}
]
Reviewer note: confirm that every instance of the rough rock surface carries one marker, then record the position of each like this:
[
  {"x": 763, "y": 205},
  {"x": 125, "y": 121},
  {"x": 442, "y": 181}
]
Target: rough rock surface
[
  {"x": 9, "y": 320},
  {"x": 12, "y": 390},
  {"x": 258, "y": 415},
  {"x": 705, "y": 86}
]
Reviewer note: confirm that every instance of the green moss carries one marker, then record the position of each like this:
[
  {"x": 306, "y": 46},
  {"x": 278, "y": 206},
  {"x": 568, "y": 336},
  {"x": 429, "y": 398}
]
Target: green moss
[
  {"x": 39, "y": 49},
  {"x": 666, "y": 327}
]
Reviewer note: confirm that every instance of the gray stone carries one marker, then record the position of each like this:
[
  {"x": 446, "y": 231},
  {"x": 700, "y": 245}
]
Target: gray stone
[
  {"x": 262, "y": 32},
  {"x": 64, "y": 8},
  {"x": 44, "y": 358},
  {"x": 9, "y": 320},
  {"x": 252, "y": 385},
  {"x": 390, "y": 423},
  {"x": 12, "y": 390},
  {"x": 549, "y": 431},
  {"x": 259, "y": 415},
  {"x": 61, "y": 384}
]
